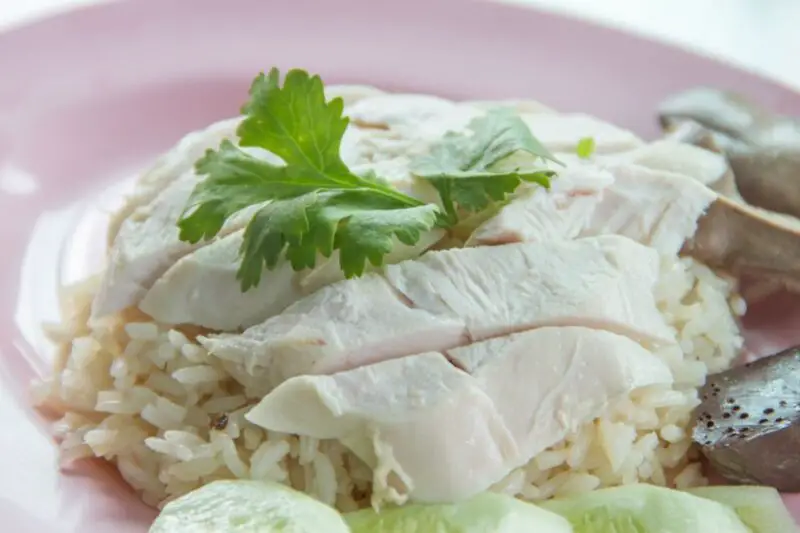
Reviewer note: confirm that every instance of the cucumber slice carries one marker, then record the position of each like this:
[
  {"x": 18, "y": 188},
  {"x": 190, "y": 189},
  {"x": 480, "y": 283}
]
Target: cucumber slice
[
  {"x": 247, "y": 507},
  {"x": 485, "y": 513},
  {"x": 645, "y": 509},
  {"x": 760, "y": 508}
]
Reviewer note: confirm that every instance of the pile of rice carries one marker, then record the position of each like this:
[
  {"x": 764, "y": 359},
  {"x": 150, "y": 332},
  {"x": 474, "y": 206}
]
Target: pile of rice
[{"x": 171, "y": 416}]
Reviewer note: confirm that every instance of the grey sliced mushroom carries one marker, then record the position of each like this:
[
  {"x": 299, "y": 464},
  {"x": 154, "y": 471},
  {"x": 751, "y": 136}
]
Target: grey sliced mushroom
[
  {"x": 769, "y": 177},
  {"x": 748, "y": 424},
  {"x": 748, "y": 242},
  {"x": 763, "y": 149},
  {"x": 731, "y": 115}
]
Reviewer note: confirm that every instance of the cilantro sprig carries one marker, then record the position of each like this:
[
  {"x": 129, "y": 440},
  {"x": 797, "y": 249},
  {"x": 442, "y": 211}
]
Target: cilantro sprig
[
  {"x": 462, "y": 167},
  {"x": 314, "y": 204}
]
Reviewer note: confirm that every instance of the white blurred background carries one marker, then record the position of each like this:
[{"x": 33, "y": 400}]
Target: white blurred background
[{"x": 760, "y": 35}]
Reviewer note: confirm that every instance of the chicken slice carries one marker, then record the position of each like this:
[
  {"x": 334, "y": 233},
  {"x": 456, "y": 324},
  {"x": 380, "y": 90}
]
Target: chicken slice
[
  {"x": 561, "y": 132},
  {"x": 447, "y": 298},
  {"x": 653, "y": 207},
  {"x": 656, "y": 208},
  {"x": 448, "y": 435},
  {"x": 148, "y": 243},
  {"x": 201, "y": 288},
  {"x": 428, "y": 117},
  {"x": 566, "y": 375},
  {"x": 351, "y": 94},
  {"x": 345, "y": 325},
  {"x": 387, "y": 130},
  {"x": 175, "y": 163},
  {"x": 539, "y": 214},
  {"x": 604, "y": 282},
  {"x": 691, "y": 161},
  {"x": 444, "y": 437},
  {"x": 431, "y": 117},
  {"x": 190, "y": 290}
]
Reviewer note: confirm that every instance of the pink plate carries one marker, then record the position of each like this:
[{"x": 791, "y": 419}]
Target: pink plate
[{"x": 87, "y": 99}]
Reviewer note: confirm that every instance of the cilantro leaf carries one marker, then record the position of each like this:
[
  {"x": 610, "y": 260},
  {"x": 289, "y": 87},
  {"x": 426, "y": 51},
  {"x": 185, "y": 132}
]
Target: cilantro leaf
[
  {"x": 313, "y": 204},
  {"x": 235, "y": 180},
  {"x": 367, "y": 235},
  {"x": 296, "y": 123},
  {"x": 284, "y": 227},
  {"x": 585, "y": 147},
  {"x": 461, "y": 166},
  {"x": 322, "y": 221}
]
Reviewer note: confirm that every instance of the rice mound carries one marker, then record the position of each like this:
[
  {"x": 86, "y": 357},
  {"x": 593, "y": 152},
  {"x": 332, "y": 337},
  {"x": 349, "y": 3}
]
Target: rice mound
[{"x": 170, "y": 415}]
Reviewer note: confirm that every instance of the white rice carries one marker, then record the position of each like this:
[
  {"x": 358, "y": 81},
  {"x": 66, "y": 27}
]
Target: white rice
[{"x": 151, "y": 400}]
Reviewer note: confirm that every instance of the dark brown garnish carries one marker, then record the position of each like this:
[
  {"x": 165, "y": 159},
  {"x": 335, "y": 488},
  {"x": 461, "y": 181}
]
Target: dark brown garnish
[{"x": 219, "y": 422}]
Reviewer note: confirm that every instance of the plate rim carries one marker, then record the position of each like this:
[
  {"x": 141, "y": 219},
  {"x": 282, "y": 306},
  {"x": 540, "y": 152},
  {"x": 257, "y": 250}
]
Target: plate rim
[{"x": 114, "y": 9}]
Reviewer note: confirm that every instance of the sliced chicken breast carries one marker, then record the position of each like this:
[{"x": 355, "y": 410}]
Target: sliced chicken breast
[
  {"x": 428, "y": 117},
  {"x": 345, "y": 325},
  {"x": 201, "y": 288},
  {"x": 656, "y": 208},
  {"x": 431, "y": 117},
  {"x": 539, "y": 214},
  {"x": 175, "y": 163},
  {"x": 419, "y": 413},
  {"x": 447, "y": 434},
  {"x": 653, "y": 207},
  {"x": 565, "y": 375},
  {"x": 148, "y": 243},
  {"x": 604, "y": 282},
  {"x": 351, "y": 94},
  {"x": 561, "y": 132},
  {"x": 448, "y": 298},
  {"x": 393, "y": 127},
  {"x": 689, "y": 160},
  {"x": 387, "y": 131}
]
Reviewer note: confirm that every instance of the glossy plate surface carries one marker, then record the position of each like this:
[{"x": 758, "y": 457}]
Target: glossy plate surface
[{"x": 89, "y": 98}]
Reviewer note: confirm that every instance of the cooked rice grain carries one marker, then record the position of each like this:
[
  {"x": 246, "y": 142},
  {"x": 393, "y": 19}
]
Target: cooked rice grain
[{"x": 143, "y": 396}]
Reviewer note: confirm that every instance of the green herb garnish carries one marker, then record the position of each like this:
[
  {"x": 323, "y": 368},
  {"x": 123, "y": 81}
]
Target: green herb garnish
[
  {"x": 460, "y": 167},
  {"x": 314, "y": 205},
  {"x": 585, "y": 147}
]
